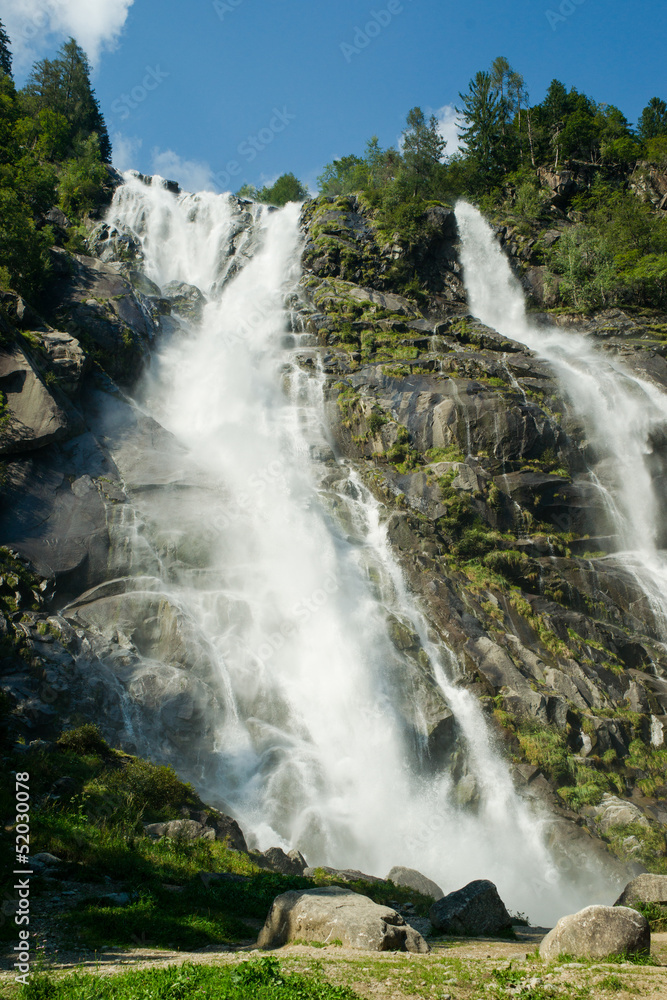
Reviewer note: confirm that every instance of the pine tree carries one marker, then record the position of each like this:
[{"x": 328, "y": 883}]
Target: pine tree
[
  {"x": 482, "y": 115},
  {"x": 423, "y": 149},
  {"x": 5, "y": 51},
  {"x": 653, "y": 121},
  {"x": 63, "y": 85}
]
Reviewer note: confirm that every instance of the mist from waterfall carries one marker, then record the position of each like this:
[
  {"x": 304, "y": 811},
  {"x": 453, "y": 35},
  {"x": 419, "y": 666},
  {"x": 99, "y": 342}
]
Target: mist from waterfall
[
  {"x": 622, "y": 414},
  {"x": 278, "y": 557}
]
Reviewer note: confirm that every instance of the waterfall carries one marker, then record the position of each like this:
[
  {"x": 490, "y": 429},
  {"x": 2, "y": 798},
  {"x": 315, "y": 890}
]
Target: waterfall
[
  {"x": 624, "y": 416},
  {"x": 327, "y": 677}
]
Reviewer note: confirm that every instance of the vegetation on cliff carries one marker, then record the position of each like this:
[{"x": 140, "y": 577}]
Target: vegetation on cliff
[
  {"x": 613, "y": 247},
  {"x": 54, "y": 146}
]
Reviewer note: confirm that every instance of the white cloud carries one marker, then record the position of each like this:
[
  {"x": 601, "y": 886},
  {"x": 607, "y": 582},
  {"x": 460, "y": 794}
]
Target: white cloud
[
  {"x": 125, "y": 151},
  {"x": 192, "y": 175},
  {"x": 449, "y": 124},
  {"x": 32, "y": 25}
]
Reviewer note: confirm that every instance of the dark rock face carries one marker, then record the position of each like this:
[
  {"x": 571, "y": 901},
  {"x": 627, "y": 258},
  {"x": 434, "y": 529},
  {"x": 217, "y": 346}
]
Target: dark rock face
[
  {"x": 597, "y": 932},
  {"x": 94, "y": 302},
  {"x": 476, "y": 910}
]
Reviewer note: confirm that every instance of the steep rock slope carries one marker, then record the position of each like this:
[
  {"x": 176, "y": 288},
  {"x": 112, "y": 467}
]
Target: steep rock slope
[{"x": 467, "y": 438}]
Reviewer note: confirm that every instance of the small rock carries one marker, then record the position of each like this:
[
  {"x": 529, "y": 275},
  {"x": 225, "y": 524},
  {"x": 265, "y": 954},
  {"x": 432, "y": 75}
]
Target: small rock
[{"x": 342, "y": 874}]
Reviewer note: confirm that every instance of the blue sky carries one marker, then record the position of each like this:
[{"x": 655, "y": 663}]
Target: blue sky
[{"x": 218, "y": 92}]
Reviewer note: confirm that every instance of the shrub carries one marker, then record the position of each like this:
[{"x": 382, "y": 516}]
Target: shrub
[{"x": 87, "y": 739}]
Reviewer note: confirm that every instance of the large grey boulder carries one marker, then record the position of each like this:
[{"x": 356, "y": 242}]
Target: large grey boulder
[
  {"x": 412, "y": 879},
  {"x": 596, "y": 932},
  {"x": 54, "y": 513},
  {"x": 337, "y": 914},
  {"x": 475, "y": 910},
  {"x": 645, "y": 888},
  {"x": 30, "y": 417}
]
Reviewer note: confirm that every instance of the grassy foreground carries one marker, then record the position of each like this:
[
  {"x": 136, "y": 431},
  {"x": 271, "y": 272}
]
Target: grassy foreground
[
  {"x": 124, "y": 889},
  {"x": 455, "y": 970}
]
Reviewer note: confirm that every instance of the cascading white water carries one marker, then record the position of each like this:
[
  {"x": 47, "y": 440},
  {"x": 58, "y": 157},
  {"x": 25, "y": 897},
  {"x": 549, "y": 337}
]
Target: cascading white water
[
  {"x": 622, "y": 414},
  {"x": 278, "y": 557}
]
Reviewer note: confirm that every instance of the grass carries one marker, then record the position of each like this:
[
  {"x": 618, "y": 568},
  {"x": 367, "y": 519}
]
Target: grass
[
  {"x": 96, "y": 829},
  {"x": 261, "y": 979},
  {"x": 655, "y": 914}
]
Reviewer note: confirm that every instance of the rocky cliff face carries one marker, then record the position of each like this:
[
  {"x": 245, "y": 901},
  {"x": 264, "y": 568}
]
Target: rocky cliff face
[
  {"x": 466, "y": 436},
  {"x": 463, "y": 434}
]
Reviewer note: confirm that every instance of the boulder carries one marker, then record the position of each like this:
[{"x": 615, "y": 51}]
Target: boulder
[
  {"x": 30, "y": 417},
  {"x": 596, "y": 932},
  {"x": 645, "y": 888},
  {"x": 412, "y": 879},
  {"x": 475, "y": 910},
  {"x": 613, "y": 811},
  {"x": 66, "y": 358},
  {"x": 226, "y": 829},
  {"x": 204, "y": 825},
  {"x": 180, "y": 829},
  {"x": 112, "y": 244},
  {"x": 337, "y": 914},
  {"x": 186, "y": 299},
  {"x": 276, "y": 860},
  {"x": 54, "y": 514}
]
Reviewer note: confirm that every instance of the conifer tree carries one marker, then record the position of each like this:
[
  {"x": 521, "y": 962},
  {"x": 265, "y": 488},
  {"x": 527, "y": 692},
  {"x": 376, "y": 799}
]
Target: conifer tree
[
  {"x": 482, "y": 116},
  {"x": 63, "y": 85},
  {"x": 5, "y": 51},
  {"x": 653, "y": 121}
]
